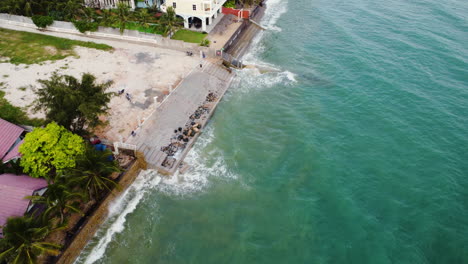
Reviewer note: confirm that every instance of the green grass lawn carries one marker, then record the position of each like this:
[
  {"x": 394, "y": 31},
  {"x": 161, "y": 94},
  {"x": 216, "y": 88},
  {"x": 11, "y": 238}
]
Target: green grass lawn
[
  {"x": 29, "y": 48},
  {"x": 15, "y": 114},
  {"x": 189, "y": 36},
  {"x": 152, "y": 29}
]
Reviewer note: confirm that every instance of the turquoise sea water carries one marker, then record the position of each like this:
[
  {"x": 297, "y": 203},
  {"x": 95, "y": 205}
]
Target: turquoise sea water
[{"x": 353, "y": 151}]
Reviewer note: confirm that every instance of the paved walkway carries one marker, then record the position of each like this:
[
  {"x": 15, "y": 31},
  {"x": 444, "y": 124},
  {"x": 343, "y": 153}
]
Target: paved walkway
[{"x": 174, "y": 112}]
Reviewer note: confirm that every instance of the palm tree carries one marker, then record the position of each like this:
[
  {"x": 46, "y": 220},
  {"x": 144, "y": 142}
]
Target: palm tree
[
  {"x": 28, "y": 9},
  {"x": 143, "y": 18},
  {"x": 169, "y": 21},
  {"x": 92, "y": 171},
  {"x": 123, "y": 16},
  {"x": 107, "y": 17},
  {"x": 71, "y": 9},
  {"x": 23, "y": 240},
  {"x": 58, "y": 198},
  {"x": 13, "y": 7}
]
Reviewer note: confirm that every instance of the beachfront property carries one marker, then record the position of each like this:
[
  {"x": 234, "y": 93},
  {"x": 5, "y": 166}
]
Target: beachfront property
[
  {"x": 105, "y": 4},
  {"x": 11, "y": 136},
  {"x": 197, "y": 14},
  {"x": 13, "y": 190}
]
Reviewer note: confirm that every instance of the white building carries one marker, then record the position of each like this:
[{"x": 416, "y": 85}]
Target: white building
[
  {"x": 196, "y": 13},
  {"x": 104, "y": 4}
]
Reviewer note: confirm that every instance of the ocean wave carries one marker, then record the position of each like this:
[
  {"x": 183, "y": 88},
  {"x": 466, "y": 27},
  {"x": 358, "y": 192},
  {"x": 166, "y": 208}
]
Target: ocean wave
[
  {"x": 249, "y": 79},
  {"x": 118, "y": 211},
  {"x": 275, "y": 8},
  {"x": 205, "y": 162}
]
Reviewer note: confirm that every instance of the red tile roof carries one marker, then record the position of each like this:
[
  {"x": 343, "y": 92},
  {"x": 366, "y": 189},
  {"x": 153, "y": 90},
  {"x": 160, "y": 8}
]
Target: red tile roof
[
  {"x": 13, "y": 189},
  {"x": 9, "y": 133}
]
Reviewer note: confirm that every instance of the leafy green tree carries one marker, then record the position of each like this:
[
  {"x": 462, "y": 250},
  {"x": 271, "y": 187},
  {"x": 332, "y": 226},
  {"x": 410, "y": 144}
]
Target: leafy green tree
[
  {"x": 58, "y": 198},
  {"x": 169, "y": 21},
  {"x": 13, "y": 7},
  {"x": 23, "y": 240},
  {"x": 50, "y": 150},
  {"x": 123, "y": 16},
  {"x": 70, "y": 9},
  {"x": 92, "y": 171},
  {"x": 73, "y": 104}
]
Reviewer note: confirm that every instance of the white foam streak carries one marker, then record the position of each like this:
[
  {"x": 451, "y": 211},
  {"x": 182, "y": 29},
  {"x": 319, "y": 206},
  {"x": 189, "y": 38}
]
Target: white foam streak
[
  {"x": 205, "y": 162},
  {"x": 275, "y": 8},
  {"x": 118, "y": 211}
]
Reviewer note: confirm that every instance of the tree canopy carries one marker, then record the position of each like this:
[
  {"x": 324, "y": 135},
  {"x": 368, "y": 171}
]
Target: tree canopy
[
  {"x": 92, "y": 172},
  {"x": 50, "y": 150},
  {"x": 23, "y": 240},
  {"x": 73, "y": 104},
  {"x": 169, "y": 21}
]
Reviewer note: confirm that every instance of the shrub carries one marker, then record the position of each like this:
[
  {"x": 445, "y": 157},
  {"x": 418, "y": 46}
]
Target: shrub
[
  {"x": 42, "y": 21},
  {"x": 205, "y": 43},
  {"x": 83, "y": 25},
  {"x": 230, "y": 4}
]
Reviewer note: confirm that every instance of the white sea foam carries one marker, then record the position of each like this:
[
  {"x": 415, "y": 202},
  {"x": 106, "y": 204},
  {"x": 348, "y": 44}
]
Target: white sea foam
[
  {"x": 264, "y": 75},
  {"x": 118, "y": 211},
  {"x": 251, "y": 79},
  {"x": 205, "y": 161},
  {"x": 275, "y": 8}
]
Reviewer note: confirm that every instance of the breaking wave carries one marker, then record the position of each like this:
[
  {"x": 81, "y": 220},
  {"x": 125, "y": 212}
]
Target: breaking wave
[
  {"x": 118, "y": 211},
  {"x": 205, "y": 160},
  {"x": 275, "y": 9}
]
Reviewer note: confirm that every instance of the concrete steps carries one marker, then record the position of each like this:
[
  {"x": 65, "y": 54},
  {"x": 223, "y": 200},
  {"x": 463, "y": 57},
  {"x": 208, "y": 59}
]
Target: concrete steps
[{"x": 216, "y": 71}]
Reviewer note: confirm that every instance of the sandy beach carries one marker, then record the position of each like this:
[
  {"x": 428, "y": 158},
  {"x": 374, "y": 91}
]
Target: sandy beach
[{"x": 144, "y": 72}]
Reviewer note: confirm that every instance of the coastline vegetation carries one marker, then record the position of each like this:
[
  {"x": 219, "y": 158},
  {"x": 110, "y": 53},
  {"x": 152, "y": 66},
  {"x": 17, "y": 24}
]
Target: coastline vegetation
[
  {"x": 79, "y": 175},
  {"x": 29, "y": 48},
  {"x": 44, "y": 12},
  {"x": 15, "y": 114}
]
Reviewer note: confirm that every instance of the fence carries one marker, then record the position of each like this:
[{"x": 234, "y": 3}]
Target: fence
[
  {"x": 236, "y": 12},
  {"x": 104, "y": 32}
]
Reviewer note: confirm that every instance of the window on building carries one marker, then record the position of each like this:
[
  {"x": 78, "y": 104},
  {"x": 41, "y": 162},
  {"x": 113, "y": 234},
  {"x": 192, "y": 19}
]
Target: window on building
[
  {"x": 174, "y": 4},
  {"x": 194, "y": 7}
]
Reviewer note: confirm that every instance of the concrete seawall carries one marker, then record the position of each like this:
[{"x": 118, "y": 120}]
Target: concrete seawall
[{"x": 93, "y": 223}]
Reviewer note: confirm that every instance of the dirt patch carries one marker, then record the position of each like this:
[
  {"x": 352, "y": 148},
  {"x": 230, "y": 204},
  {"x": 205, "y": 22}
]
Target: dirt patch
[{"x": 51, "y": 50}]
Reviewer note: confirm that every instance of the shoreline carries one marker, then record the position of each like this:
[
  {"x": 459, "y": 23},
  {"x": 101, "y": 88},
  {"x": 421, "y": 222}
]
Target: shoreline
[
  {"x": 211, "y": 78},
  {"x": 213, "y": 69}
]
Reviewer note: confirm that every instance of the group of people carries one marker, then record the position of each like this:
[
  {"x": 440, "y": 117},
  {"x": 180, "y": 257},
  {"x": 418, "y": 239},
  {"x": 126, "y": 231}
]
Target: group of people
[{"x": 127, "y": 95}]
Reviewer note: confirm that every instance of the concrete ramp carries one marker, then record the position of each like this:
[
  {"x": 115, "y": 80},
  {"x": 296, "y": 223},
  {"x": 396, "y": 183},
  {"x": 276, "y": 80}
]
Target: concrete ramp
[{"x": 256, "y": 24}]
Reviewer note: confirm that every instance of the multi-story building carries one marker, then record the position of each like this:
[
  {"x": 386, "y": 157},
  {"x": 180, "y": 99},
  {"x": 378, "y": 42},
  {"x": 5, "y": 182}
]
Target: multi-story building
[
  {"x": 103, "y": 4},
  {"x": 196, "y": 13}
]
